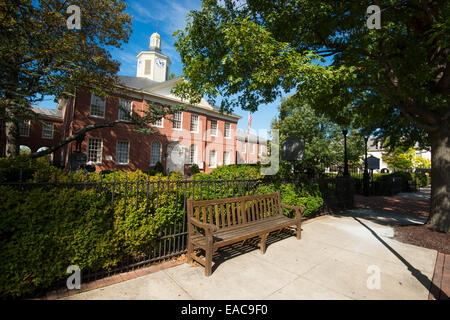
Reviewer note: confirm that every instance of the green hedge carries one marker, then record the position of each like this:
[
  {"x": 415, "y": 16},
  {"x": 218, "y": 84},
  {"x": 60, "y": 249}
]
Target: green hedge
[
  {"x": 43, "y": 230},
  {"x": 383, "y": 182}
]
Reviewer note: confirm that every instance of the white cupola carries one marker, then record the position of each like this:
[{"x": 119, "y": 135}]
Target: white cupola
[
  {"x": 153, "y": 64},
  {"x": 155, "y": 42}
]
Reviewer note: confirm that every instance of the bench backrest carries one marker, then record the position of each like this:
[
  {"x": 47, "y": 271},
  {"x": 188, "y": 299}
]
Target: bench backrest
[{"x": 229, "y": 212}]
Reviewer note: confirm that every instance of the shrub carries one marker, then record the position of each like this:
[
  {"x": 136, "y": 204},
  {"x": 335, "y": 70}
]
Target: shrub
[
  {"x": 252, "y": 171},
  {"x": 422, "y": 179},
  {"x": 45, "y": 230},
  {"x": 305, "y": 196},
  {"x": 194, "y": 169},
  {"x": 26, "y": 168}
]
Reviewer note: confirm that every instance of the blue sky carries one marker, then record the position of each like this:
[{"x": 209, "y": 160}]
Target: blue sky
[{"x": 165, "y": 17}]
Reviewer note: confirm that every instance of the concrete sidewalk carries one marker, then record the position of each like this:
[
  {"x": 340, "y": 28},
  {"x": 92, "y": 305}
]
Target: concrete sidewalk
[{"x": 335, "y": 259}]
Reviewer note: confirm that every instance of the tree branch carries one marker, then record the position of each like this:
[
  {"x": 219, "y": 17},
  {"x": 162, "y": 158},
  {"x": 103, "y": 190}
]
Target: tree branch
[{"x": 74, "y": 136}]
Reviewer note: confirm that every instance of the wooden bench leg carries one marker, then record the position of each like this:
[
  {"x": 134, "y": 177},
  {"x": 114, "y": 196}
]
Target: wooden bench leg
[
  {"x": 262, "y": 244},
  {"x": 299, "y": 231},
  {"x": 190, "y": 252},
  {"x": 208, "y": 260}
]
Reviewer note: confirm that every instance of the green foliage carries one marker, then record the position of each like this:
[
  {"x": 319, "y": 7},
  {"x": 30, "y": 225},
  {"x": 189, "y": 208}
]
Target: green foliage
[
  {"x": 422, "y": 179},
  {"x": 249, "y": 53},
  {"x": 40, "y": 56},
  {"x": 194, "y": 169},
  {"x": 324, "y": 141},
  {"x": 11, "y": 168},
  {"x": 42, "y": 232},
  {"x": 400, "y": 159},
  {"x": 237, "y": 170},
  {"x": 307, "y": 196},
  {"x": 157, "y": 169},
  {"x": 45, "y": 229}
]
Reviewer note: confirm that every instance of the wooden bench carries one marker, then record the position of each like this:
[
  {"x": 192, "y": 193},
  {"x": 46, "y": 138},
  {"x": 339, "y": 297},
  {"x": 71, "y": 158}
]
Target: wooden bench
[{"x": 213, "y": 224}]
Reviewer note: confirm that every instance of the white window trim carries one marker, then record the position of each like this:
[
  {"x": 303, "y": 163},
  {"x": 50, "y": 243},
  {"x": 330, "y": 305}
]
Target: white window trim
[
  {"x": 160, "y": 153},
  {"x": 53, "y": 131},
  {"x": 217, "y": 128},
  {"x": 176, "y": 129},
  {"x": 215, "y": 159},
  {"x": 198, "y": 123},
  {"x": 162, "y": 124},
  {"x": 101, "y": 150},
  {"x": 224, "y": 130},
  {"x": 90, "y": 108},
  {"x": 131, "y": 111},
  {"x": 28, "y": 122},
  {"x": 229, "y": 158},
  {"x": 244, "y": 145},
  {"x": 195, "y": 155},
  {"x": 252, "y": 148},
  {"x": 128, "y": 158}
]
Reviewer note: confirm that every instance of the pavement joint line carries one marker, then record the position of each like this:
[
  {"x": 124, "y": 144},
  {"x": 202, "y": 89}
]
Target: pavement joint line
[
  {"x": 326, "y": 287},
  {"x": 179, "y": 285},
  {"x": 281, "y": 288}
]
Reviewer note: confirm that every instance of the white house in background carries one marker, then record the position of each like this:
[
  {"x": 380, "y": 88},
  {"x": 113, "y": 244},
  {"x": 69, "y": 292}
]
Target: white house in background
[{"x": 375, "y": 149}]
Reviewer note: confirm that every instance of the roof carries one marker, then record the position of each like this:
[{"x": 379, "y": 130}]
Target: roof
[
  {"x": 142, "y": 84},
  {"x": 51, "y": 113},
  {"x": 148, "y": 86}
]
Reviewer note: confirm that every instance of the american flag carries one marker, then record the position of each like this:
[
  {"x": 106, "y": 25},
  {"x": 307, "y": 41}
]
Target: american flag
[{"x": 249, "y": 121}]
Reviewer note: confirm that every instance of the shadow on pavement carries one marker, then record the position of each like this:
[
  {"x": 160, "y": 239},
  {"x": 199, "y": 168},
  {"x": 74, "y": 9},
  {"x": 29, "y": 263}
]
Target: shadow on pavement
[{"x": 429, "y": 285}]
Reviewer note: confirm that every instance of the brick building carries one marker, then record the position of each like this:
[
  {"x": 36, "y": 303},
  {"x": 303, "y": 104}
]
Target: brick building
[{"x": 200, "y": 134}]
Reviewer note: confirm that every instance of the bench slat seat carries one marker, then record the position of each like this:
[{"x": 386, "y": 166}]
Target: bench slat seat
[
  {"x": 253, "y": 229},
  {"x": 213, "y": 224}
]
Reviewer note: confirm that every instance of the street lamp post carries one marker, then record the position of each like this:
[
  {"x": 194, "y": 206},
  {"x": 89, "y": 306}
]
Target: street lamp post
[
  {"x": 366, "y": 170},
  {"x": 345, "y": 132}
]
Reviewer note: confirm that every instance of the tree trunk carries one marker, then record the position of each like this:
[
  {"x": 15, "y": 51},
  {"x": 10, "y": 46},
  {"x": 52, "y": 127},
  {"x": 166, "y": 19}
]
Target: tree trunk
[
  {"x": 12, "y": 132},
  {"x": 440, "y": 179}
]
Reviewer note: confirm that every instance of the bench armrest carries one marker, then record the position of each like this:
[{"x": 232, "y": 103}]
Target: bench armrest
[
  {"x": 206, "y": 226},
  {"x": 298, "y": 209}
]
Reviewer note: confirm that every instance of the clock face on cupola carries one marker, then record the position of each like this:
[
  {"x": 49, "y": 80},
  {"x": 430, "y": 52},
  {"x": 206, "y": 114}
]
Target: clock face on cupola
[{"x": 153, "y": 64}]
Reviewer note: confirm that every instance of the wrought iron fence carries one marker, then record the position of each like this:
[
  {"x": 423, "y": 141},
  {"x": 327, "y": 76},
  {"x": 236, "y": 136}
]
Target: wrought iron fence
[{"x": 149, "y": 194}]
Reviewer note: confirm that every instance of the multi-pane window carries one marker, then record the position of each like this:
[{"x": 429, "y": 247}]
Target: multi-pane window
[
  {"x": 177, "y": 120},
  {"x": 227, "y": 132},
  {"x": 97, "y": 106},
  {"x": 261, "y": 150},
  {"x": 193, "y": 154},
  {"x": 212, "y": 158},
  {"x": 214, "y": 127},
  {"x": 94, "y": 150},
  {"x": 226, "y": 158},
  {"x": 125, "y": 109},
  {"x": 244, "y": 147},
  {"x": 122, "y": 152},
  {"x": 24, "y": 128},
  {"x": 47, "y": 130},
  {"x": 155, "y": 152},
  {"x": 252, "y": 148},
  {"x": 158, "y": 123},
  {"x": 194, "y": 123}
]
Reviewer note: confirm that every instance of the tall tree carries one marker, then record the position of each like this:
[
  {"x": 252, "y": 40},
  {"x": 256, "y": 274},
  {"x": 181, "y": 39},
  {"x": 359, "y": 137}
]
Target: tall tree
[
  {"x": 41, "y": 54},
  {"x": 324, "y": 146},
  {"x": 395, "y": 78}
]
